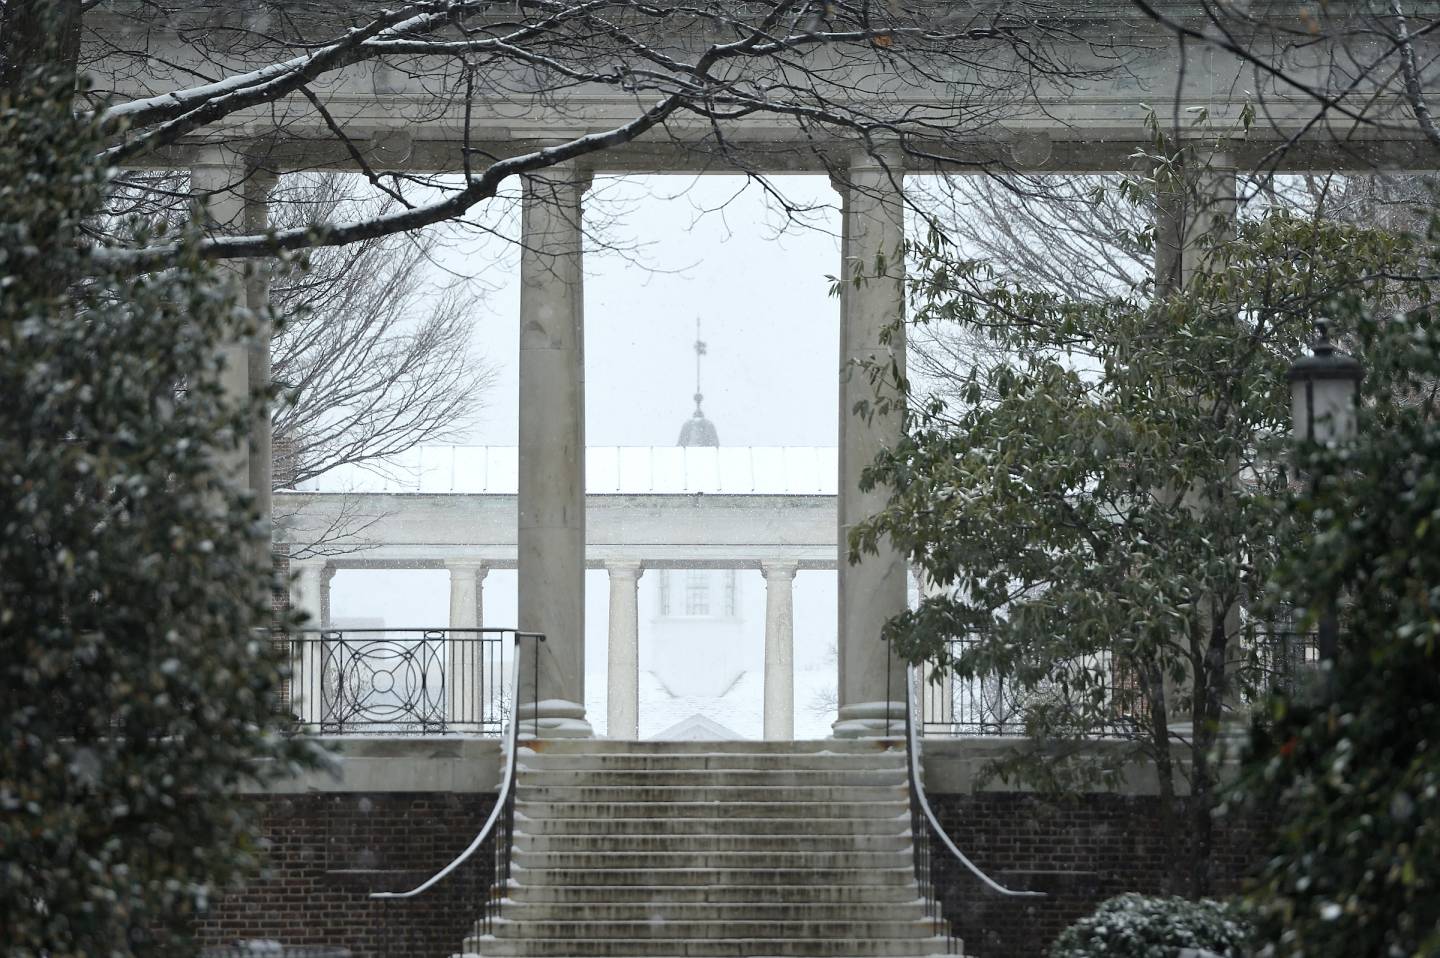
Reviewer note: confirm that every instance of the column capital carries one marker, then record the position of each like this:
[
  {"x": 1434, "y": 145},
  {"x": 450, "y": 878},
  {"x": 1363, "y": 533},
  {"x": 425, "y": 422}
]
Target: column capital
[
  {"x": 312, "y": 565},
  {"x": 564, "y": 173},
  {"x": 218, "y": 156},
  {"x": 233, "y": 190},
  {"x": 259, "y": 183},
  {"x": 624, "y": 568},
  {"x": 778, "y": 569},
  {"x": 882, "y": 159},
  {"x": 479, "y": 567},
  {"x": 880, "y": 156}
]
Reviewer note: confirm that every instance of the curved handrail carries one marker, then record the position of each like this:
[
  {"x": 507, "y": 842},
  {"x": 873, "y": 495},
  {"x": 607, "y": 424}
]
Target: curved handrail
[
  {"x": 917, "y": 790},
  {"x": 507, "y": 783}
]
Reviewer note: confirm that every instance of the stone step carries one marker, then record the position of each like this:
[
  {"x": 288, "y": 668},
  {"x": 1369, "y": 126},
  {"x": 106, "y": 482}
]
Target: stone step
[
  {"x": 778, "y": 829},
  {"x": 790, "y": 795},
  {"x": 780, "y": 859},
  {"x": 578, "y": 895},
  {"x": 660, "y": 909},
  {"x": 668, "y": 841},
  {"x": 600, "y": 746},
  {"x": 712, "y": 778},
  {"x": 712, "y": 811},
  {"x": 649, "y": 761},
  {"x": 718, "y": 930},
  {"x": 712, "y": 850},
  {"x": 844, "y": 947},
  {"x": 758, "y": 879}
]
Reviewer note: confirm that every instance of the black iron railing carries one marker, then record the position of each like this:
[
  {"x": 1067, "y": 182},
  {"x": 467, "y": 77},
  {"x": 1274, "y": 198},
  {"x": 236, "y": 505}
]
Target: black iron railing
[
  {"x": 994, "y": 704},
  {"x": 1286, "y": 658},
  {"x": 484, "y": 887},
  {"x": 399, "y": 681},
  {"x": 928, "y": 834}
]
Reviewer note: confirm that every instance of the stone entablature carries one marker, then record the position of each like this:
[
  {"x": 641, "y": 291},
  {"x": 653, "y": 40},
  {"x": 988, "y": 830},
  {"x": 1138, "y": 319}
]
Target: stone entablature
[{"x": 420, "y": 530}]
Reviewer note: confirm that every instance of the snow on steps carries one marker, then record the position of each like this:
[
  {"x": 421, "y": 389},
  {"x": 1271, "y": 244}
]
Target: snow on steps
[{"x": 711, "y": 850}]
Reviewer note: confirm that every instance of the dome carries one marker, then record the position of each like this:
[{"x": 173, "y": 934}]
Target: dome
[{"x": 698, "y": 431}]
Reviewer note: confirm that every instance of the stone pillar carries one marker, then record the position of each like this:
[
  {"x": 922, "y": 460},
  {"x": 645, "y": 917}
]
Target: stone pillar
[
  {"x": 623, "y": 667},
  {"x": 779, "y": 650},
  {"x": 465, "y": 664},
  {"x": 467, "y": 578},
  {"x": 309, "y": 590},
  {"x": 1199, "y": 202},
  {"x": 871, "y": 680},
  {"x": 551, "y": 534},
  {"x": 234, "y": 198},
  {"x": 260, "y": 448}
]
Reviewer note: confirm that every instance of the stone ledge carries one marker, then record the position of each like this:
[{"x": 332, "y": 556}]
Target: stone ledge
[
  {"x": 955, "y": 765},
  {"x": 397, "y": 764}
]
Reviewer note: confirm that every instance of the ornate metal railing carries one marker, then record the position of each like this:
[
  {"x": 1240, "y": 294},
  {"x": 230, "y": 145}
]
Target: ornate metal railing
[
  {"x": 1286, "y": 657},
  {"x": 484, "y": 887},
  {"x": 928, "y": 834},
  {"x": 399, "y": 681},
  {"x": 992, "y": 704}
]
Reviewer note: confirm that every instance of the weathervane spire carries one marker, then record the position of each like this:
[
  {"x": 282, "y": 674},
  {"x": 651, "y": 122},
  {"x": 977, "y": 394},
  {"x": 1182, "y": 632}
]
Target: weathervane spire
[
  {"x": 699, "y": 352},
  {"x": 698, "y": 431}
]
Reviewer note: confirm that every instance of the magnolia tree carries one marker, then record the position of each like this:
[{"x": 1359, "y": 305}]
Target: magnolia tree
[
  {"x": 1351, "y": 767},
  {"x": 1100, "y": 512},
  {"x": 140, "y": 685}
]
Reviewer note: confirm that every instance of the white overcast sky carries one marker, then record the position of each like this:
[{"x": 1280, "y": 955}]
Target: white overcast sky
[{"x": 686, "y": 246}]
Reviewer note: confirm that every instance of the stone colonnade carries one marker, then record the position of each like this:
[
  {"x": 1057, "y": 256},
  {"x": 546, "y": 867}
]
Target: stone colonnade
[
  {"x": 551, "y": 495},
  {"x": 311, "y": 594},
  {"x": 551, "y": 534}
]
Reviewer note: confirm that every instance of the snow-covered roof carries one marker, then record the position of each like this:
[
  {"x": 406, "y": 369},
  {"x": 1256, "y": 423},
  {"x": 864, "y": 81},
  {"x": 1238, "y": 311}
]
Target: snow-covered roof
[
  {"x": 697, "y": 728},
  {"x": 737, "y": 470}
]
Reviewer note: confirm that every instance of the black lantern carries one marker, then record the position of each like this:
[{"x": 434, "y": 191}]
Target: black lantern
[
  {"x": 1324, "y": 392},
  {"x": 1324, "y": 395}
]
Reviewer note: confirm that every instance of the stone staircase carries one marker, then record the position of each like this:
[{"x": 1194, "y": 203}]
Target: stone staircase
[{"x": 639, "y": 849}]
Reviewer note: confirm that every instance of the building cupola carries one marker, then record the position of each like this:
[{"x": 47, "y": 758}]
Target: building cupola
[{"x": 698, "y": 431}]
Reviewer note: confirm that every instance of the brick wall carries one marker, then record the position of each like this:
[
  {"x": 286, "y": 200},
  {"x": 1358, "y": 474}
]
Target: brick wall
[
  {"x": 1080, "y": 851},
  {"x": 328, "y": 851}
]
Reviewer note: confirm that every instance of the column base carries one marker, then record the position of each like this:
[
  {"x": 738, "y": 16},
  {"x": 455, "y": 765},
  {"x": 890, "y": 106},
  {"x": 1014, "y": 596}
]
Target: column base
[
  {"x": 870, "y": 720},
  {"x": 553, "y": 718}
]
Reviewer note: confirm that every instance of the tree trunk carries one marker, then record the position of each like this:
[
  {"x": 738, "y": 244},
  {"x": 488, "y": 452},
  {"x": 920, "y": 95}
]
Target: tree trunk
[
  {"x": 1210, "y": 688},
  {"x": 35, "y": 35},
  {"x": 1152, "y": 681}
]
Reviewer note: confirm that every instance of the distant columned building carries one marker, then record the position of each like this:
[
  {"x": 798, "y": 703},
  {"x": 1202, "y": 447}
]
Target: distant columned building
[{"x": 699, "y": 654}]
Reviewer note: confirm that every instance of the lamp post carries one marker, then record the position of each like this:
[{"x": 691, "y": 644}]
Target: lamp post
[{"x": 1324, "y": 397}]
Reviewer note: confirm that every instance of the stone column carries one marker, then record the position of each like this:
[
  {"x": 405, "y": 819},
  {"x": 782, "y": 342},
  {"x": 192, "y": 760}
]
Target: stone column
[
  {"x": 623, "y": 668},
  {"x": 464, "y": 681},
  {"x": 260, "y": 448},
  {"x": 779, "y": 650},
  {"x": 1199, "y": 202},
  {"x": 234, "y": 198},
  {"x": 551, "y": 534},
  {"x": 467, "y": 578},
  {"x": 871, "y": 680},
  {"x": 309, "y": 590}
]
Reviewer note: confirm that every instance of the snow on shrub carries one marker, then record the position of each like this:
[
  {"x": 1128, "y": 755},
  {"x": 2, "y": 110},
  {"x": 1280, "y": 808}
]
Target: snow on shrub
[{"x": 1134, "y": 926}]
